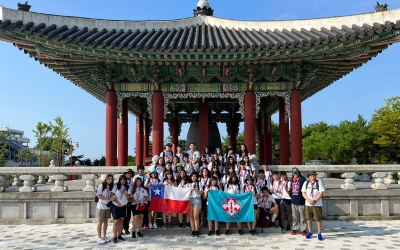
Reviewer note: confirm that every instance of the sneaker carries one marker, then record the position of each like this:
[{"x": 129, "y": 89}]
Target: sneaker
[
  {"x": 187, "y": 225},
  {"x": 240, "y": 232},
  {"x": 309, "y": 235},
  {"x": 133, "y": 235},
  {"x": 209, "y": 233},
  {"x": 115, "y": 240},
  {"x": 216, "y": 232},
  {"x": 145, "y": 226},
  {"x": 150, "y": 226},
  {"x": 201, "y": 224},
  {"x": 120, "y": 238},
  {"x": 102, "y": 241},
  {"x": 106, "y": 239},
  {"x": 227, "y": 232},
  {"x": 197, "y": 233},
  {"x": 180, "y": 225},
  {"x": 255, "y": 232},
  {"x": 251, "y": 232},
  {"x": 274, "y": 225},
  {"x": 294, "y": 232},
  {"x": 193, "y": 234},
  {"x": 126, "y": 231},
  {"x": 320, "y": 237},
  {"x": 304, "y": 233},
  {"x": 155, "y": 226},
  {"x": 165, "y": 226},
  {"x": 169, "y": 225},
  {"x": 140, "y": 234}
]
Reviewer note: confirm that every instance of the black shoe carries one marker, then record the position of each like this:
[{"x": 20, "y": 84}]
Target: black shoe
[
  {"x": 197, "y": 233},
  {"x": 120, "y": 238},
  {"x": 209, "y": 233},
  {"x": 126, "y": 231},
  {"x": 115, "y": 240},
  {"x": 255, "y": 232},
  {"x": 251, "y": 232},
  {"x": 274, "y": 225},
  {"x": 133, "y": 235},
  {"x": 180, "y": 225},
  {"x": 288, "y": 228},
  {"x": 216, "y": 232},
  {"x": 140, "y": 234},
  {"x": 187, "y": 225},
  {"x": 192, "y": 234},
  {"x": 240, "y": 232},
  {"x": 227, "y": 232}
]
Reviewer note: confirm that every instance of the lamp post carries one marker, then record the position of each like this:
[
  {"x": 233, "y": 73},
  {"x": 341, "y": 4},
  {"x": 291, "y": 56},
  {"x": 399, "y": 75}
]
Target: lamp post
[{"x": 70, "y": 150}]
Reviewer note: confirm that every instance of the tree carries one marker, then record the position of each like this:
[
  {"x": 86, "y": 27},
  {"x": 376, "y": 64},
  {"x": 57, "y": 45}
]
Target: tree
[
  {"x": 59, "y": 138},
  {"x": 43, "y": 140},
  {"x": 3, "y": 147},
  {"x": 385, "y": 124},
  {"x": 131, "y": 160},
  {"x": 315, "y": 127},
  {"x": 87, "y": 162},
  {"x": 26, "y": 156},
  {"x": 100, "y": 162}
]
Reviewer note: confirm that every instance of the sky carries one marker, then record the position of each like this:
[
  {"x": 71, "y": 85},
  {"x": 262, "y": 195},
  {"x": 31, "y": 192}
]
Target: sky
[{"x": 31, "y": 93}]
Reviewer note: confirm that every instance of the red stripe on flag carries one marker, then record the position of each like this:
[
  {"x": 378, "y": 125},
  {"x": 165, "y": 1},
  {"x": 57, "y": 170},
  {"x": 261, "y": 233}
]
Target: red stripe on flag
[{"x": 169, "y": 206}]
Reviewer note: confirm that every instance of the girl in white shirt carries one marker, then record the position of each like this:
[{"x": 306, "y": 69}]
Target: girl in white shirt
[
  {"x": 203, "y": 162},
  {"x": 243, "y": 152},
  {"x": 229, "y": 171},
  {"x": 233, "y": 187},
  {"x": 249, "y": 187},
  {"x": 122, "y": 193},
  {"x": 169, "y": 180},
  {"x": 104, "y": 195},
  {"x": 218, "y": 152},
  {"x": 153, "y": 180},
  {"x": 212, "y": 186},
  {"x": 182, "y": 181},
  {"x": 243, "y": 173},
  {"x": 139, "y": 198},
  {"x": 205, "y": 180},
  {"x": 249, "y": 166},
  {"x": 195, "y": 203}
]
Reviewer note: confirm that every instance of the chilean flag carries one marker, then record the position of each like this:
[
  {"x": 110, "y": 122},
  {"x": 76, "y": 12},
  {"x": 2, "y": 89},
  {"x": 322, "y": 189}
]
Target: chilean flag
[{"x": 169, "y": 199}]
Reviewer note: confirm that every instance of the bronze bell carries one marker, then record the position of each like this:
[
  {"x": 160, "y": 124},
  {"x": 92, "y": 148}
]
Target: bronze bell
[{"x": 214, "y": 138}]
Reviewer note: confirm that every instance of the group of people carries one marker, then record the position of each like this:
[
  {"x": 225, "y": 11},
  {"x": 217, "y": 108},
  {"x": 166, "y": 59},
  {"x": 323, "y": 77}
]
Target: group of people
[{"x": 275, "y": 196}]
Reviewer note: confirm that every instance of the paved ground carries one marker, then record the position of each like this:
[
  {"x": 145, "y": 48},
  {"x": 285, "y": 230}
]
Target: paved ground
[{"x": 337, "y": 234}]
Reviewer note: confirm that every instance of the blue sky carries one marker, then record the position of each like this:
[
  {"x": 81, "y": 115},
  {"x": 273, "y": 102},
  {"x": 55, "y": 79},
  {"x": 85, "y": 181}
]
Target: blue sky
[{"x": 31, "y": 93}]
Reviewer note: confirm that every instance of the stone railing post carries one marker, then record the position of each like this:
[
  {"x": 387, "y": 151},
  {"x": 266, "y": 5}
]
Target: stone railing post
[
  {"x": 17, "y": 182},
  {"x": 321, "y": 176},
  {"x": 379, "y": 180},
  {"x": 41, "y": 179},
  {"x": 389, "y": 178},
  {"x": 90, "y": 182},
  {"x": 59, "y": 183},
  {"x": 3, "y": 183},
  {"x": 28, "y": 183},
  {"x": 349, "y": 180}
]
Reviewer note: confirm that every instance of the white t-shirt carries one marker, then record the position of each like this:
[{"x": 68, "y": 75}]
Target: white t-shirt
[
  {"x": 102, "y": 204},
  {"x": 285, "y": 194},
  {"x": 240, "y": 156},
  {"x": 232, "y": 189},
  {"x": 143, "y": 177},
  {"x": 167, "y": 155},
  {"x": 121, "y": 197},
  {"x": 276, "y": 186},
  {"x": 253, "y": 189},
  {"x": 182, "y": 184},
  {"x": 196, "y": 185},
  {"x": 147, "y": 185},
  {"x": 211, "y": 188},
  {"x": 193, "y": 155},
  {"x": 139, "y": 195},
  {"x": 261, "y": 183},
  {"x": 160, "y": 171},
  {"x": 251, "y": 167},
  {"x": 166, "y": 183},
  {"x": 266, "y": 203},
  {"x": 188, "y": 167},
  {"x": 312, "y": 191},
  {"x": 242, "y": 174}
]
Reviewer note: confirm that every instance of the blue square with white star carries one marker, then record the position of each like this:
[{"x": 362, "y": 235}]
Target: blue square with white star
[{"x": 157, "y": 191}]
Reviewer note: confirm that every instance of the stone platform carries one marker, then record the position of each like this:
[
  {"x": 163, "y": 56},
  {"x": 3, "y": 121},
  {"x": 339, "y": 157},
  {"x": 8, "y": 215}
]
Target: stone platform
[{"x": 337, "y": 234}]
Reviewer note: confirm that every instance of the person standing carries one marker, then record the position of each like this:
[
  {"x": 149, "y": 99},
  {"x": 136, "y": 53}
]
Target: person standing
[
  {"x": 167, "y": 153},
  {"x": 312, "y": 191},
  {"x": 298, "y": 203},
  {"x": 129, "y": 178},
  {"x": 139, "y": 199},
  {"x": 104, "y": 195},
  {"x": 194, "y": 155}
]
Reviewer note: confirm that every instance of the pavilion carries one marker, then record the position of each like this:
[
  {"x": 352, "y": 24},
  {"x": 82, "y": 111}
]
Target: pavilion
[{"x": 202, "y": 68}]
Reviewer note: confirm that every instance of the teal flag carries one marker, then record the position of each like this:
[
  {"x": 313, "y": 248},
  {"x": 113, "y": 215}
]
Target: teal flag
[{"x": 230, "y": 207}]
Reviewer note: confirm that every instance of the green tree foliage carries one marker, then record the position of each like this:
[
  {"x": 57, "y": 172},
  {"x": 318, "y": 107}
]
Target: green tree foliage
[
  {"x": 315, "y": 127},
  {"x": 43, "y": 140},
  {"x": 385, "y": 124},
  {"x": 100, "y": 162},
  {"x": 131, "y": 160},
  {"x": 59, "y": 138},
  {"x": 3, "y": 147}
]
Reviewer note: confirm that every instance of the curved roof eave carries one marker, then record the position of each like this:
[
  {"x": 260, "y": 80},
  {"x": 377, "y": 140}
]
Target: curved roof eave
[{"x": 80, "y": 22}]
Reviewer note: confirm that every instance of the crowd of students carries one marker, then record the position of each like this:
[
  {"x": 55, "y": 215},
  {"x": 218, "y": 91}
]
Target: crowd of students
[{"x": 275, "y": 196}]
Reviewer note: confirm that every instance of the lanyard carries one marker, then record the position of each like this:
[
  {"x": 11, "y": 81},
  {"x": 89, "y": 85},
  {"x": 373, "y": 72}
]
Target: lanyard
[
  {"x": 137, "y": 194},
  {"x": 312, "y": 188}
]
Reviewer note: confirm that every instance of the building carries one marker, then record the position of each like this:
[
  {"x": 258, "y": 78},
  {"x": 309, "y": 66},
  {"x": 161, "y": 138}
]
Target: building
[{"x": 201, "y": 69}]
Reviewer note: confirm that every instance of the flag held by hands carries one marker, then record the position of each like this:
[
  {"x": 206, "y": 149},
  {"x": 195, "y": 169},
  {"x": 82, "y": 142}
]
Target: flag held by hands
[
  {"x": 230, "y": 207},
  {"x": 169, "y": 199}
]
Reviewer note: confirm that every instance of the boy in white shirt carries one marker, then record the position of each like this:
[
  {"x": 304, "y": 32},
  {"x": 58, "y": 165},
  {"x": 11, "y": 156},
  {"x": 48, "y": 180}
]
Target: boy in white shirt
[{"x": 312, "y": 191}]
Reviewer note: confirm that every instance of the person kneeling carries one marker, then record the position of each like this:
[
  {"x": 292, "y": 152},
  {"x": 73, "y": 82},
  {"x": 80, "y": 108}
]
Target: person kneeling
[{"x": 268, "y": 213}]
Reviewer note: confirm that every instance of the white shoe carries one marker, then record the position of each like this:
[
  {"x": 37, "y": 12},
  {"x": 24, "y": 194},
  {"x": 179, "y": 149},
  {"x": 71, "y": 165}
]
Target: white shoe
[
  {"x": 106, "y": 239},
  {"x": 150, "y": 226},
  {"x": 155, "y": 226},
  {"x": 101, "y": 241}
]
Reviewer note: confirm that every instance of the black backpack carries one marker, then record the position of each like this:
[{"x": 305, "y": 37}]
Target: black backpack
[{"x": 316, "y": 186}]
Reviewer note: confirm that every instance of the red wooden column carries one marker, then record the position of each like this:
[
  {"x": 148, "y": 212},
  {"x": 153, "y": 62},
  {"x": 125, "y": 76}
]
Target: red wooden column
[
  {"x": 203, "y": 124},
  {"x": 174, "y": 132},
  {"x": 111, "y": 128},
  {"x": 123, "y": 135},
  {"x": 250, "y": 121},
  {"x": 139, "y": 139},
  {"x": 158, "y": 122},
  {"x": 232, "y": 132},
  {"x": 261, "y": 148},
  {"x": 146, "y": 133},
  {"x": 295, "y": 127},
  {"x": 283, "y": 135},
  {"x": 268, "y": 139}
]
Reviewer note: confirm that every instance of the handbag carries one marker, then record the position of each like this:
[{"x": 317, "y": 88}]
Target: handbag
[
  {"x": 96, "y": 199},
  {"x": 141, "y": 208},
  {"x": 109, "y": 204}
]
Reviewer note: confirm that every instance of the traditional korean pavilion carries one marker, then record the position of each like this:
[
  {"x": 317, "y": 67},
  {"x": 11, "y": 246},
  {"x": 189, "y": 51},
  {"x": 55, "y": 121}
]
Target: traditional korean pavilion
[{"x": 201, "y": 69}]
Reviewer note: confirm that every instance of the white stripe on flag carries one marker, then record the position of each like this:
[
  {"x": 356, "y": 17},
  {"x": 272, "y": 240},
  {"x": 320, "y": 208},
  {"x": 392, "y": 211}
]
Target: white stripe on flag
[{"x": 176, "y": 193}]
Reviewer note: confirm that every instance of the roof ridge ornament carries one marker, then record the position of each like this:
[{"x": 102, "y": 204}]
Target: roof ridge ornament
[
  {"x": 203, "y": 9},
  {"x": 24, "y": 7},
  {"x": 381, "y": 7}
]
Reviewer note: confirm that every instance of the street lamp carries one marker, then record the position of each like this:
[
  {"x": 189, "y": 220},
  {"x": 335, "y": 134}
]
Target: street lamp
[{"x": 70, "y": 150}]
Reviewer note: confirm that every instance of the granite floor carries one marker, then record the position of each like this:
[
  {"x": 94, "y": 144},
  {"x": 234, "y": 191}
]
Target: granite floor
[{"x": 338, "y": 235}]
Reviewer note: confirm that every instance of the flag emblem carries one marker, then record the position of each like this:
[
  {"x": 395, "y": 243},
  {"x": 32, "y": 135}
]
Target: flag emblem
[{"x": 230, "y": 206}]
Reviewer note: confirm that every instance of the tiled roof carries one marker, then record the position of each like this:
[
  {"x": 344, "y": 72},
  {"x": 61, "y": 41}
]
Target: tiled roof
[{"x": 198, "y": 38}]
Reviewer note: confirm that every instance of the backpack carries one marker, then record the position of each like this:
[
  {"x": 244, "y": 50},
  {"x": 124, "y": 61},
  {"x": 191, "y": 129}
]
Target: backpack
[
  {"x": 316, "y": 186},
  {"x": 264, "y": 219}
]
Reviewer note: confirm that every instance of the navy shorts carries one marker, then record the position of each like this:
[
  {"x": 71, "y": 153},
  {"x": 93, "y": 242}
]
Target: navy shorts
[{"x": 118, "y": 212}]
